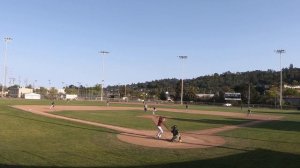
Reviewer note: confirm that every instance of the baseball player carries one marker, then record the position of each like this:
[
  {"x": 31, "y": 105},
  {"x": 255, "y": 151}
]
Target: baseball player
[
  {"x": 159, "y": 124},
  {"x": 176, "y": 135},
  {"x": 154, "y": 110},
  {"x": 52, "y": 105},
  {"x": 145, "y": 107}
]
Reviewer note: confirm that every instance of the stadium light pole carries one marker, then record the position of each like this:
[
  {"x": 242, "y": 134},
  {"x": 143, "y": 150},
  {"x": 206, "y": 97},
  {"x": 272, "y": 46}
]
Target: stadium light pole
[
  {"x": 280, "y": 52},
  {"x": 86, "y": 91},
  {"x": 49, "y": 82},
  {"x": 78, "y": 88},
  {"x": 34, "y": 85},
  {"x": 102, "y": 53},
  {"x": 62, "y": 85},
  {"x": 6, "y": 40},
  {"x": 125, "y": 91},
  {"x": 249, "y": 96},
  {"x": 182, "y": 58},
  {"x": 119, "y": 84}
]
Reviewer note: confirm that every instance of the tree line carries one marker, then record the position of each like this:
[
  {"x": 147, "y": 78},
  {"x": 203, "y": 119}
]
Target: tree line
[{"x": 264, "y": 86}]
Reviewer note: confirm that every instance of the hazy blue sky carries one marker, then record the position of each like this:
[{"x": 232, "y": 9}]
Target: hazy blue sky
[{"x": 59, "y": 40}]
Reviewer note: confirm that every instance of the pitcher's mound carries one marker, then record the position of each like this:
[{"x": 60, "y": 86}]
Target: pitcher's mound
[{"x": 196, "y": 141}]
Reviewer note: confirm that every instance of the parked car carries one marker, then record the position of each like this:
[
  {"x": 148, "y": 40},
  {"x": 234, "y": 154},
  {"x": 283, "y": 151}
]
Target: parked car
[{"x": 227, "y": 105}]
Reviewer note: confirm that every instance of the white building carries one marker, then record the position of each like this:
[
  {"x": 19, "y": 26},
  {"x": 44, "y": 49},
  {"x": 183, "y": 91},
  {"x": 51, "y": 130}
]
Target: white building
[
  {"x": 17, "y": 92},
  {"x": 292, "y": 87},
  {"x": 61, "y": 91},
  {"x": 70, "y": 96},
  {"x": 205, "y": 96},
  {"x": 32, "y": 96}
]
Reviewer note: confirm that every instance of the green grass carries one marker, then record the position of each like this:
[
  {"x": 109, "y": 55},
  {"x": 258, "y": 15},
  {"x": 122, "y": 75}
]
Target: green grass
[{"x": 28, "y": 140}]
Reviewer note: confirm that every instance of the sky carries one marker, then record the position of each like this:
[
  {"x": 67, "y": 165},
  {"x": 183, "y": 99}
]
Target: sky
[{"x": 57, "y": 42}]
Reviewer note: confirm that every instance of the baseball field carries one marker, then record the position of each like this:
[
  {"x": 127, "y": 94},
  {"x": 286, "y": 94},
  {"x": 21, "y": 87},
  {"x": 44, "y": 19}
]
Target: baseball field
[{"x": 91, "y": 134}]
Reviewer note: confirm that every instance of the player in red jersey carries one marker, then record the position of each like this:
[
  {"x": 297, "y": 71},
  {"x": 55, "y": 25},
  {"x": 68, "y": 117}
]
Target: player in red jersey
[{"x": 159, "y": 124}]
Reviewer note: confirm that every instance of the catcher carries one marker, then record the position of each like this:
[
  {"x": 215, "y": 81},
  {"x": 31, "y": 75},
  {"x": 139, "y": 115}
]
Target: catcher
[{"x": 176, "y": 135}]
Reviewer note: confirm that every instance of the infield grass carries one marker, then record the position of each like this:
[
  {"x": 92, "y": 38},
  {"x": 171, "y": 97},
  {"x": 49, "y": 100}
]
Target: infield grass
[{"x": 133, "y": 119}]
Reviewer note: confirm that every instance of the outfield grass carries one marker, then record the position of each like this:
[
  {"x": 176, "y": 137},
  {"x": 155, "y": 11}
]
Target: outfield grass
[
  {"x": 175, "y": 106},
  {"x": 29, "y": 140}
]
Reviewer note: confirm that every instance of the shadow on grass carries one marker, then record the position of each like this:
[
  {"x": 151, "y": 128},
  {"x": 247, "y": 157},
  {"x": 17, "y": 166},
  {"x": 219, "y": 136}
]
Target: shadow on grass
[
  {"x": 271, "y": 112},
  {"x": 258, "y": 158},
  {"x": 280, "y": 125},
  {"x": 59, "y": 124},
  {"x": 263, "y": 140},
  {"x": 271, "y": 125},
  {"x": 228, "y": 121}
]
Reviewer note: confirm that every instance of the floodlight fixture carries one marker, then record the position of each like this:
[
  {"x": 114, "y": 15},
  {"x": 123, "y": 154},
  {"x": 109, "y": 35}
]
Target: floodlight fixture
[{"x": 183, "y": 57}]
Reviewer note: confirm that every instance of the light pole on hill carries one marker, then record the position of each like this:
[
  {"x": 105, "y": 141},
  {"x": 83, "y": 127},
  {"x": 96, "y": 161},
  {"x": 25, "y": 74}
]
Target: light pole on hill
[
  {"x": 280, "y": 51},
  {"x": 6, "y": 40},
  {"x": 102, "y": 53},
  {"x": 182, "y": 58}
]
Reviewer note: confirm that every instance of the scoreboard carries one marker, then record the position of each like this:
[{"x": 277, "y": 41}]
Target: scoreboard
[{"x": 232, "y": 96}]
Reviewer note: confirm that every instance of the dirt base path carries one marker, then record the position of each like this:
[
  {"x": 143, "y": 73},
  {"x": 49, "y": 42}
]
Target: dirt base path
[{"x": 193, "y": 139}]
